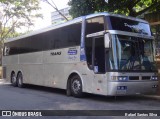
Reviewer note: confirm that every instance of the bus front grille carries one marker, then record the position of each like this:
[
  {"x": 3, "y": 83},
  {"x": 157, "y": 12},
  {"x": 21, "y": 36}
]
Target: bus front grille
[
  {"x": 139, "y": 78},
  {"x": 146, "y": 77},
  {"x": 134, "y": 78}
]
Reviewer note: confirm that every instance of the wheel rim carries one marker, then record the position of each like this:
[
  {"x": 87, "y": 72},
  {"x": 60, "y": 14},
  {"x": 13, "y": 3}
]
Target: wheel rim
[{"x": 76, "y": 86}]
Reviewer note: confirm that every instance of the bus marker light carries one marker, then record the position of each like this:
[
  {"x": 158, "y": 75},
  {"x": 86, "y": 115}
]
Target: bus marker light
[{"x": 54, "y": 82}]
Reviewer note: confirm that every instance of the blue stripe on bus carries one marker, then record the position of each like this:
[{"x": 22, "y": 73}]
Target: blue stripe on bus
[{"x": 82, "y": 54}]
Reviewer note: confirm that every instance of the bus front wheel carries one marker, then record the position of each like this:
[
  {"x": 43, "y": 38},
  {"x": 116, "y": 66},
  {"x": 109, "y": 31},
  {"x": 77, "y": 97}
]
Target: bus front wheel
[{"x": 76, "y": 86}]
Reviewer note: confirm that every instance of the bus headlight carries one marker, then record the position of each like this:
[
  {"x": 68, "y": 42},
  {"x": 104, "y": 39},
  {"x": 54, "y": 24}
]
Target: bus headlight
[
  {"x": 120, "y": 78},
  {"x": 154, "y": 78}
]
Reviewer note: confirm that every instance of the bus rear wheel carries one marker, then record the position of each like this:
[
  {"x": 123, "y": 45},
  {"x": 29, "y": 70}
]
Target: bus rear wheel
[
  {"x": 76, "y": 86},
  {"x": 20, "y": 80},
  {"x": 13, "y": 79}
]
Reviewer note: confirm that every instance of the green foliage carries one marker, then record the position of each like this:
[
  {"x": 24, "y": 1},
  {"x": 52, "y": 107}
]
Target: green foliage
[
  {"x": 126, "y": 7},
  {"x": 16, "y": 14}
]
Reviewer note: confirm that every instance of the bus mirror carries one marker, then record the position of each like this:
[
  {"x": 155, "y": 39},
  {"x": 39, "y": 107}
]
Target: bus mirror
[{"x": 107, "y": 40}]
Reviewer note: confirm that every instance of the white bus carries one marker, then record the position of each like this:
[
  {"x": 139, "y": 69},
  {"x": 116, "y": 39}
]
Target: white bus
[{"x": 102, "y": 53}]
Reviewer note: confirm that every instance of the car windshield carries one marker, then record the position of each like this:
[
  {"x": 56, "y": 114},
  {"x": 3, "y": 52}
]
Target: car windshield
[{"x": 131, "y": 53}]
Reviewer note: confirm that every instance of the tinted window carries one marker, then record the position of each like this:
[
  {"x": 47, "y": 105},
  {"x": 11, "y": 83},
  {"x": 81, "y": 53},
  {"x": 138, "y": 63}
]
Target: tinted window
[
  {"x": 63, "y": 37},
  {"x": 69, "y": 36},
  {"x": 122, "y": 24},
  {"x": 94, "y": 25}
]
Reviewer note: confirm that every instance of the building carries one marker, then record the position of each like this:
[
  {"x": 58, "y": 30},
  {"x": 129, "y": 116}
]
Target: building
[{"x": 57, "y": 18}]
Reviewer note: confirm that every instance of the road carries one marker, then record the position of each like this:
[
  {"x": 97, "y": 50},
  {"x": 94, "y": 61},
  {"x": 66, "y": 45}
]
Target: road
[{"x": 42, "y": 98}]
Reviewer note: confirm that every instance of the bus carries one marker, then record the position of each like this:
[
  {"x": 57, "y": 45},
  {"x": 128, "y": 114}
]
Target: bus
[{"x": 105, "y": 54}]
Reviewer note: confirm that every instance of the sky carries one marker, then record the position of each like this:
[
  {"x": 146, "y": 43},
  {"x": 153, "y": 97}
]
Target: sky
[{"x": 46, "y": 12}]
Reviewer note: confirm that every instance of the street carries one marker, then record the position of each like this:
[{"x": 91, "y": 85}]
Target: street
[{"x": 42, "y": 98}]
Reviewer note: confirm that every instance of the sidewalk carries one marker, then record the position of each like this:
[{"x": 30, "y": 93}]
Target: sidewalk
[
  {"x": 152, "y": 96},
  {"x": 2, "y": 81}
]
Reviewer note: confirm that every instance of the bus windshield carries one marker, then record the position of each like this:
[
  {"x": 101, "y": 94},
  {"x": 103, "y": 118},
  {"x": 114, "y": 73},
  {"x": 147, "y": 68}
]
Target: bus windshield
[{"x": 131, "y": 53}]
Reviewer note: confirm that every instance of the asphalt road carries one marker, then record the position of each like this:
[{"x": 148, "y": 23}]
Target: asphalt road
[{"x": 42, "y": 98}]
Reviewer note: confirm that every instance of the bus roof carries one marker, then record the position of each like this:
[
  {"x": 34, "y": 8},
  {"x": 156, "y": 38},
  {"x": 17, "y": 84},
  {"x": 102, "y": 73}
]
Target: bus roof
[{"x": 79, "y": 19}]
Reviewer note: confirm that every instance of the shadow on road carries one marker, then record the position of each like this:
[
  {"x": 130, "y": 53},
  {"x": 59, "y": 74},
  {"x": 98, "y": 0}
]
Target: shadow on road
[
  {"x": 120, "y": 98},
  {"x": 45, "y": 89},
  {"x": 91, "y": 96}
]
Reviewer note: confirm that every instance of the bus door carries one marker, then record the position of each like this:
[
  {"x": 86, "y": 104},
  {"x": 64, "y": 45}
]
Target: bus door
[
  {"x": 98, "y": 63},
  {"x": 98, "y": 55}
]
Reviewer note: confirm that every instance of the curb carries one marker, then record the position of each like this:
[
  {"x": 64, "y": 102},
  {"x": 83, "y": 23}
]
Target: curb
[
  {"x": 152, "y": 96},
  {"x": 3, "y": 81}
]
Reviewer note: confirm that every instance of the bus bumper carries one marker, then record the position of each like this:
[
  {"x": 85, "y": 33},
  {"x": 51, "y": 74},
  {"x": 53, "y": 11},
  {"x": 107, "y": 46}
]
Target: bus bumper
[{"x": 132, "y": 88}]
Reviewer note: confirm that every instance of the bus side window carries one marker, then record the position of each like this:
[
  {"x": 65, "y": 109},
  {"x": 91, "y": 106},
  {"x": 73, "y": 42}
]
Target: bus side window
[{"x": 94, "y": 25}]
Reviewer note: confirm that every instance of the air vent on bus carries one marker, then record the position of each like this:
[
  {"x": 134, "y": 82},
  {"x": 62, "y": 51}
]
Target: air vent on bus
[
  {"x": 134, "y": 78},
  {"x": 146, "y": 77}
]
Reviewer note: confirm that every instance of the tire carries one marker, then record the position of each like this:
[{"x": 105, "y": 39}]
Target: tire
[
  {"x": 68, "y": 90},
  {"x": 76, "y": 86},
  {"x": 20, "y": 80},
  {"x": 13, "y": 79}
]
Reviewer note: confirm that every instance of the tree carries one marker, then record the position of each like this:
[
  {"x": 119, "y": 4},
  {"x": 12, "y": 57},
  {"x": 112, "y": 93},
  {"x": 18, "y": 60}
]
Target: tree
[
  {"x": 127, "y": 7},
  {"x": 16, "y": 14}
]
